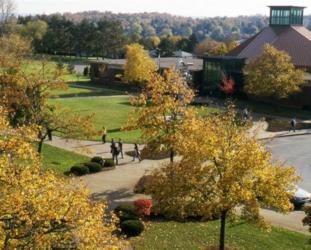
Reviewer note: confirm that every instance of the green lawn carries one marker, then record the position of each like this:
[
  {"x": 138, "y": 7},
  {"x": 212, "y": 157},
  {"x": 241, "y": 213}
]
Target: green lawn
[
  {"x": 198, "y": 235},
  {"x": 35, "y": 65},
  {"x": 60, "y": 160},
  {"x": 111, "y": 112},
  {"x": 82, "y": 91}
]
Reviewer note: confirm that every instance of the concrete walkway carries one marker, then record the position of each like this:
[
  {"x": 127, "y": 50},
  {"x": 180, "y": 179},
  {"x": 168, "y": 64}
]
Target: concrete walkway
[{"x": 116, "y": 186}]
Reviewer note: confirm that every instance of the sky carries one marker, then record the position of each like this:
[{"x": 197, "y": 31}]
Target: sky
[{"x": 193, "y": 8}]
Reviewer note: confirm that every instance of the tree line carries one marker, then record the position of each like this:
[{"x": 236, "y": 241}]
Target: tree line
[
  {"x": 162, "y": 24},
  {"x": 105, "y": 34}
]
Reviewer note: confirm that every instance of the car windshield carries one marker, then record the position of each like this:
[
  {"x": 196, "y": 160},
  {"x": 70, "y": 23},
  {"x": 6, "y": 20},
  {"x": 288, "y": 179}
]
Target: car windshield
[{"x": 301, "y": 193}]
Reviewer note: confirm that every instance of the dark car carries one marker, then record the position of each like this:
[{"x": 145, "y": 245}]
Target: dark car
[{"x": 300, "y": 198}]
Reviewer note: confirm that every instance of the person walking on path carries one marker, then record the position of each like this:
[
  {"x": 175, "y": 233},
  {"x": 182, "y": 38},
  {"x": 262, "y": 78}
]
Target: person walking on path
[
  {"x": 104, "y": 135},
  {"x": 49, "y": 132},
  {"x": 120, "y": 146},
  {"x": 112, "y": 147},
  {"x": 136, "y": 153},
  {"x": 293, "y": 124},
  {"x": 115, "y": 155},
  {"x": 114, "y": 151},
  {"x": 245, "y": 114}
]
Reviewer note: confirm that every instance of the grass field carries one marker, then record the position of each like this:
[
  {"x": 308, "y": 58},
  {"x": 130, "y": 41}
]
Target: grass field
[
  {"x": 60, "y": 160},
  {"x": 35, "y": 66},
  {"x": 199, "y": 235},
  {"x": 86, "y": 91},
  {"x": 111, "y": 112}
]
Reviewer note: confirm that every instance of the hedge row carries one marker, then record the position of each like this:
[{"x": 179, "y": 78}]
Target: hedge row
[{"x": 94, "y": 166}]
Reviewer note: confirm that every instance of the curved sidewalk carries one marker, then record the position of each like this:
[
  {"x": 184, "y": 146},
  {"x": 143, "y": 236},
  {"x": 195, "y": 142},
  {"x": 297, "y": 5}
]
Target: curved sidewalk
[{"x": 117, "y": 185}]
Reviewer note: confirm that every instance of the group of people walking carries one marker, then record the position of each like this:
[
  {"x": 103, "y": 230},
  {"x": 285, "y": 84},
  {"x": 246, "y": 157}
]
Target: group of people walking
[{"x": 116, "y": 148}]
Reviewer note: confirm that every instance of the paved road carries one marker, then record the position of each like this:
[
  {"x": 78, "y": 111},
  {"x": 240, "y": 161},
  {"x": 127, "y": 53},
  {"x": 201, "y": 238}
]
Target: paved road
[{"x": 296, "y": 151}]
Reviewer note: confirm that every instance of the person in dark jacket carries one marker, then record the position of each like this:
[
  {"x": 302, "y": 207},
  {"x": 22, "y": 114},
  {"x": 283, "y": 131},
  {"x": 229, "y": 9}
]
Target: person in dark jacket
[
  {"x": 136, "y": 153},
  {"x": 120, "y": 146},
  {"x": 293, "y": 124}
]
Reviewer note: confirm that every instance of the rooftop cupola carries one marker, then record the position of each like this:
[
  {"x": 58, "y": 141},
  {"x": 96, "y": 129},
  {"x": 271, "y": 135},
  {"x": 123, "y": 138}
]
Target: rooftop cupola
[{"x": 286, "y": 15}]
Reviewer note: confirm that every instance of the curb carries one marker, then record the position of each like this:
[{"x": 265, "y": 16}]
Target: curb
[{"x": 283, "y": 136}]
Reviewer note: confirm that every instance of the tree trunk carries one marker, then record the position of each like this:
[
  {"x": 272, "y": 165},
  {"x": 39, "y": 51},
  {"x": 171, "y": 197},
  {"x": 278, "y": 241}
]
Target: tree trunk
[
  {"x": 172, "y": 155},
  {"x": 40, "y": 145},
  {"x": 222, "y": 230}
]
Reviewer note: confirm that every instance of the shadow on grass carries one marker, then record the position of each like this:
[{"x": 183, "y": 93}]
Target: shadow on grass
[
  {"x": 126, "y": 103},
  {"x": 90, "y": 94},
  {"x": 115, "y": 130},
  {"x": 115, "y": 86},
  {"x": 56, "y": 163}
]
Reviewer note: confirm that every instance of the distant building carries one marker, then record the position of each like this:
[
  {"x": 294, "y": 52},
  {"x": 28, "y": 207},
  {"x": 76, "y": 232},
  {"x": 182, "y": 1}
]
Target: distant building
[
  {"x": 183, "y": 54},
  {"x": 110, "y": 69},
  {"x": 285, "y": 32}
]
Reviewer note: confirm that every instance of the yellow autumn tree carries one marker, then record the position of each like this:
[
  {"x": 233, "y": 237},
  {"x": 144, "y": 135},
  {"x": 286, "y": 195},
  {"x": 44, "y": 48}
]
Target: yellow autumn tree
[
  {"x": 40, "y": 210},
  {"x": 272, "y": 75},
  {"x": 139, "y": 67},
  {"x": 221, "y": 169},
  {"x": 25, "y": 91},
  {"x": 162, "y": 108}
]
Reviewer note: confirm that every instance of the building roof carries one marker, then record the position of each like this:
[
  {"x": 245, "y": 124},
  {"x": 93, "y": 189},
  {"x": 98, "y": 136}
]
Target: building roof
[
  {"x": 294, "y": 40},
  {"x": 194, "y": 64},
  {"x": 286, "y": 6},
  {"x": 182, "y": 54}
]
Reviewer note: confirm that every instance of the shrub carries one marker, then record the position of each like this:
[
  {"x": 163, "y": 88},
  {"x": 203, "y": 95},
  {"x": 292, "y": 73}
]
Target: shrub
[
  {"x": 109, "y": 163},
  {"x": 151, "y": 152},
  {"x": 307, "y": 220},
  {"x": 98, "y": 160},
  {"x": 79, "y": 170},
  {"x": 143, "y": 184},
  {"x": 126, "y": 212},
  {"x": 143, "y": 207},
  {"x": 129, "y": 208},
  {"x": 132, "y": 227},
  {"x": 94, "y": 167}
]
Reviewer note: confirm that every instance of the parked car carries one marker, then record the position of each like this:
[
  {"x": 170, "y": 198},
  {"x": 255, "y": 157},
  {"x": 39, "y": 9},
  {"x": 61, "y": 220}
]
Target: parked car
[{"x": 300, "y": 198}]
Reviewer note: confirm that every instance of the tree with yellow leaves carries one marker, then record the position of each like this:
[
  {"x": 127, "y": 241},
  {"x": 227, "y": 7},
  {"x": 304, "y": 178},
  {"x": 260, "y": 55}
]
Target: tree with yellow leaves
[
  {"x": 221, "y": 169},
  {"x": 26, "y": 91},
  {"x": 64, "y": 122},
  {"x": 162, "y": 107},
  {"x": 139, "y": 67},
  {"x": 272, "y": 75},
  {"x": 40, "y": 210}
]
